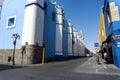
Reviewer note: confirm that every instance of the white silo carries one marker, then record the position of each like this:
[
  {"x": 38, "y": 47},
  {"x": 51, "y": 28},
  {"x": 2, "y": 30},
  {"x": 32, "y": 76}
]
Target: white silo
[
  {"x": 59, "y": 26},
  {"x": 33, "y": 23},
  {"x": 33, "y": 28},
  {"x": 82, "y": 44},
  {"x": 74, "y": 42},
  {"x": 69, "y": 39},
  {"x": 78, "y": 44}
]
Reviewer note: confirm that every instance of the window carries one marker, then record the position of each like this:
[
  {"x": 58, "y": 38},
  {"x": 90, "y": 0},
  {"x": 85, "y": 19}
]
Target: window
[{"x": 11, "y": 21}]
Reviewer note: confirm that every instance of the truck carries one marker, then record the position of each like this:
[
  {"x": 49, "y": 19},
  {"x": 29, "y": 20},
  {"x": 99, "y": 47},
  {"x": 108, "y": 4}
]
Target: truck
[{"x": 109, "y": 31}]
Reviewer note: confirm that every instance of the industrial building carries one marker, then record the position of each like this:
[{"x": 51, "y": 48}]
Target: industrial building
[
  {"x": 33, "y": 25},
  {"x": 109, "y": 31}
]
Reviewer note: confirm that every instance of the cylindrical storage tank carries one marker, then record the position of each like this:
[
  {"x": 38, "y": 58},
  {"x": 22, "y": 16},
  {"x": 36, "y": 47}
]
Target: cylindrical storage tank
[
  {"x": 32, "y": 37},
  {"x": 78, "y": 38},
  {"x": 82, "y": 44},
  {"x": 33, "y": 23},
  {"x": 82, "y": 52},
  {"x": 74, "y": 42},
  {"x": 59, "y": 26},
  {"x": 77, "y": 44},
  {"x": 70, "y": 39}
]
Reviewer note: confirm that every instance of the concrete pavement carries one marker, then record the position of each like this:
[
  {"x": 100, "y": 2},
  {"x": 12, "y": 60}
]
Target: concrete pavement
[
  {"x": 91, "y": 66},
  {"x": 79, "y": 69}
]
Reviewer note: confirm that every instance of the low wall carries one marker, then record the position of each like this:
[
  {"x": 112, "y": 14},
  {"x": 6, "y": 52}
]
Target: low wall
[{"x": 31, "y": 55}]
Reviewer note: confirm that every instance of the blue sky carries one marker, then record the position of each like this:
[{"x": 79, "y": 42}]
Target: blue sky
[{"x": 84, "y": 15}]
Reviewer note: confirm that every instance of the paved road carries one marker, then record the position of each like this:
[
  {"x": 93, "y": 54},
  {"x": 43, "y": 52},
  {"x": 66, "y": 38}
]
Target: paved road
[{"x": 80, "y": 69}]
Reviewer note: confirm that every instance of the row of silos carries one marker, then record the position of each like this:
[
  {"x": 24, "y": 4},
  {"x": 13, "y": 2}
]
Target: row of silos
[
  {"x": 44, "y": 22},
  {"x": 78, "y": 43},
  {"x": 66, "y": 41}
]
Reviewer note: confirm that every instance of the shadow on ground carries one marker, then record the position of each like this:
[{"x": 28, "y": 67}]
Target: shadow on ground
[
  {"x": 4, "y": 67},
  {"x": 57, "y": 59}
]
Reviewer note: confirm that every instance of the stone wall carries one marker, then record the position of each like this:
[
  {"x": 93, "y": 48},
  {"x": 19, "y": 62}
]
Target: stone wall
[{"x": 29, "y": 55}]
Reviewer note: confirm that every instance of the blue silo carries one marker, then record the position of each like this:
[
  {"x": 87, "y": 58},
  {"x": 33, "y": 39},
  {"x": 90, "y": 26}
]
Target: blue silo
[
  {"x": 49, "y": 30},
  {"x": 65, "y": 38}
]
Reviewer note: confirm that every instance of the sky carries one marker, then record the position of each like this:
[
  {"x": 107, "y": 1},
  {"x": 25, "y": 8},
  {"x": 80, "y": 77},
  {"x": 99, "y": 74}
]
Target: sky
[{"x": 84, "y": 15}]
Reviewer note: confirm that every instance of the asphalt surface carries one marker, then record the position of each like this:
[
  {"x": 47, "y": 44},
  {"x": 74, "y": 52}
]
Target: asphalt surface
[{"x": 79, "y": 69}]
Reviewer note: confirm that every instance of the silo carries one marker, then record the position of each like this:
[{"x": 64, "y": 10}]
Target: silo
[
  {"x": 78, "y": 44},
  {"x": 82, "y": 49},
  {"x": 74, "y": 42},
  {"x": 70, "y": 54},
  {"x": 59, "y": 34},
  {"x": 65, "y": 38},
  {"x": 49, "y": 30},
  {"x": 82, "y": 44},
  {"x": 32, "y": 38}
]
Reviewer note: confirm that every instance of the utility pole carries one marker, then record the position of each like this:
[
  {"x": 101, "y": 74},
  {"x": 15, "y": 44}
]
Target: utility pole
[{"x": 15, "y": 36}]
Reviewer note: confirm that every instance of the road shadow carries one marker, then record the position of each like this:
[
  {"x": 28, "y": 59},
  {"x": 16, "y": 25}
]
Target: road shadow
[
  {"x": 4, "y": 67},
  {"x": 64, "y": 59}
]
